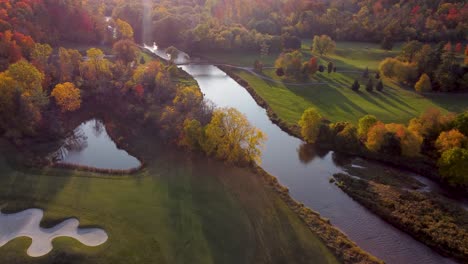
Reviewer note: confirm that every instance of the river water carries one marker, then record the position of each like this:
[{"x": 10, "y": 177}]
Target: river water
[{"x": 308, "y": 180}]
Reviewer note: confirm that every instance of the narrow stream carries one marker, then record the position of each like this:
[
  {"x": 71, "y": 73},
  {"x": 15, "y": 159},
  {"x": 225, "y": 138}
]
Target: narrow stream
[{"x": 308, "y": 180}]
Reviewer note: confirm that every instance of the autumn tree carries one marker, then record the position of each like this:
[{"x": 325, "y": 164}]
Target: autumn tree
[
  {"x": 21, "y": 99},
  {"x": 96, "y": 69},
  {"x": 410, "y": 141},
  {"x": 125, "y": 50},
  {"x": 424, "y": 84},
  {"x": 365, "y": 124},
  {"x": 40, "y": 55},
  {"x": 431, "y": 123},
  {"x": 466, "y": 55},
  {"x": 449, "y": 140},
  {"x": 323, "y": 45},
  {"x": 187, "y": 98},
  {"x": 310, "y": 123},
  {"x": 291, "y": 63},
  {"x": 124, "y": 30},
  {"x": 192, "y": 134},
  {"x": 375, "y": 137},
  {"x": 230, "y": 137},
  {"x": 313, "y": 65},
  {"x": 69, "y": 63},
  {"x": 67, "y": 96}
]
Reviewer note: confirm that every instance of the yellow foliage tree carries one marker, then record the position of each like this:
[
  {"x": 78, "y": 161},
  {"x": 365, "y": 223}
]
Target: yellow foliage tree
[
  {"x": 231, "y": 137},
  {"x": 187, "y": 98},
  {"x": 67, "y": 96},
  {"x": 424, "y": 84},
  {"x": 310, "y": 124},
  {"x": 449, "y": 140},
  {"x": 124, "y": 30}
]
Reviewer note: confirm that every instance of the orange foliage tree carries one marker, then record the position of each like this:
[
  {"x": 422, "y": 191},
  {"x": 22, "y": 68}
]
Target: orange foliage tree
[{"x": 67, "y": 96}]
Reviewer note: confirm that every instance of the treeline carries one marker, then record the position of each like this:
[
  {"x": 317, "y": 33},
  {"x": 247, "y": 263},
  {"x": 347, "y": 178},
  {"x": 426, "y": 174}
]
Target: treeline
[
  {"x": 239, "y": 24},
  {"x": 442, "y": 138},
  {"x": 430, "y": 68}
]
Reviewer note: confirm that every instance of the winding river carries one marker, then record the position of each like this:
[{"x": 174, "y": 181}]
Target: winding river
[{"x": 308, "y": 180}]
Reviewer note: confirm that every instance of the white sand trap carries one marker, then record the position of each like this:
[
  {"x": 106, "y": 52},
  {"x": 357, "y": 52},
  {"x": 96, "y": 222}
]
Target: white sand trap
[{"x": 26, "y": 224}]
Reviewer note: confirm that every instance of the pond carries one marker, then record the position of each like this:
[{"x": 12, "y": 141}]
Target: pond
[
  {"x": 307, "y": 173},
  {"x": 90, "y": 145}
]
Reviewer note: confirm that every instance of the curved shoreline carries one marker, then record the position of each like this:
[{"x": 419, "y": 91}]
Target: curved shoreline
[
  {"x": 425, "y": 169},
  {"x": 343, "y": 247},
  {"x": 294, "y": 130}
]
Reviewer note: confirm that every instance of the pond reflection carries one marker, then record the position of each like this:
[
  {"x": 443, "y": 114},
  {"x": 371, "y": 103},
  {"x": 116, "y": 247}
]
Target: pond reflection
[{"x": 90, "y": 145}]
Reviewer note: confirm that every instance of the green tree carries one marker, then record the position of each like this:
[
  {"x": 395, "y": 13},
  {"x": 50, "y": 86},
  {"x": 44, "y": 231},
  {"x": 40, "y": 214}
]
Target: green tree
[
  {"x": 310, "y": 123},
  {"x": 424, "y": 84},
  {"x": 445, "y": 75},
  {"x": 461, "y": 123},
  {"x": 365, "y": 123},
  {"x": 409, "y": 50},
  {"x": 452, "y": 166},
  {"x": 323, "y": 45},
  {"x": 40, "y": 55}
]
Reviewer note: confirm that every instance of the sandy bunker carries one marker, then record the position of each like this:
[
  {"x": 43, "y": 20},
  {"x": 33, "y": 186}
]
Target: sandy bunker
[{"x": 26, "y": 224}]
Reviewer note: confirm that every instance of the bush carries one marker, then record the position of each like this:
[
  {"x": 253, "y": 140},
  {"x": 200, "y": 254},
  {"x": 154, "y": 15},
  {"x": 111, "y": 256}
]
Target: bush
[{"x": 424, "y": 84}]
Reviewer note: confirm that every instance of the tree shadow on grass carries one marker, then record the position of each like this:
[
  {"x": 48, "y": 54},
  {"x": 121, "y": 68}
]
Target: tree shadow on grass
[
  {"x": 398, "y": 100},
  {"x": 384, "y": 97}
]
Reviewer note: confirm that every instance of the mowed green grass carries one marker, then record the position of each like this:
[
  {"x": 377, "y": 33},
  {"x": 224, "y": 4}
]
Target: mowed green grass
[
  {"x": 335, "y": 100},
  {"x": 179, "y": 209}
]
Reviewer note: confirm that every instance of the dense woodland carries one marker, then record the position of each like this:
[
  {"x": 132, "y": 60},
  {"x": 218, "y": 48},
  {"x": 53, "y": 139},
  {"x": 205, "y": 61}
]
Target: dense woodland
[
  {"x": 40, "y": 81},
  {"x": 242, "y": 24}
]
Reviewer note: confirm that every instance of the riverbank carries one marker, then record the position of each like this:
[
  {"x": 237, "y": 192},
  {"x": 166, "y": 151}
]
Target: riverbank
[
  {"x": 427, "y": 217},
  {"x": 420, "y": 165},
  {"x": 345, "y": 249}
]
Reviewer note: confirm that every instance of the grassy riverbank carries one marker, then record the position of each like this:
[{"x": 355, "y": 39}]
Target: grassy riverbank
[
  {"x": 177, "y": 210},
  {"x": 428, "y": 217},
  {"x": 334, "y": 97}
]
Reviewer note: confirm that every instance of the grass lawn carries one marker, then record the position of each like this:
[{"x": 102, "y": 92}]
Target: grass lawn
[
  {"x": 335, "y": 99},
  {"x": 179, "y": 209}
]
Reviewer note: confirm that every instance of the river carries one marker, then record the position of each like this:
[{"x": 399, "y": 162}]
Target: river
[{"x": 308, "y": 181}]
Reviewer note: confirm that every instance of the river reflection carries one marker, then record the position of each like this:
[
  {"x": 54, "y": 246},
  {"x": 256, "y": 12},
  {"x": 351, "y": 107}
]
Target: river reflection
[
  {"x": 306, "y": 172},
  {"x": 90, "y": 145}
]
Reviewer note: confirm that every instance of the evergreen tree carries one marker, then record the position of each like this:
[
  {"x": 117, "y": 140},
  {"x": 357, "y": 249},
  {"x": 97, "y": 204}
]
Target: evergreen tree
[
  {"x": 380, "y": 86},
  {"x": 365, "y": 74},
  {"x": 330, "y": 67},
  {"x": 142, "y": 60},
  {"x": 355, "y": 87},
  {"x": 370, "y": 85}
]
